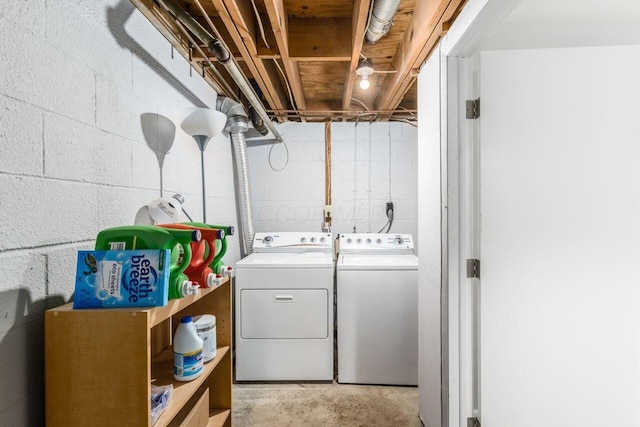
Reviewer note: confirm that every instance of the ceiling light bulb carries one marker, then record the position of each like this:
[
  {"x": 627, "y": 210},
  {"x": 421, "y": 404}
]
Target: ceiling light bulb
[{"x": 365, "y": 83}]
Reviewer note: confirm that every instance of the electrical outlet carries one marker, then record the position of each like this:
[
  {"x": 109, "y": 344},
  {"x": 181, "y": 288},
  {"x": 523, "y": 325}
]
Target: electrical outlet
[{"x": 389, "y": 209}]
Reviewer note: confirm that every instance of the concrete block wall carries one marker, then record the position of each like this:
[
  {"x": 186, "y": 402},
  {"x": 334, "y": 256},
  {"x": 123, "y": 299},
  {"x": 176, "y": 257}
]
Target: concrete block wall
[
  {"x": 372, "y": 163},
  {"x": 77, "y": 82}
]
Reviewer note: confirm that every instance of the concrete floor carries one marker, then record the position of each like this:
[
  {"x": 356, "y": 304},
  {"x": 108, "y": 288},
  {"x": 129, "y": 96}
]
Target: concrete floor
[{"x": 326, "y": 405}]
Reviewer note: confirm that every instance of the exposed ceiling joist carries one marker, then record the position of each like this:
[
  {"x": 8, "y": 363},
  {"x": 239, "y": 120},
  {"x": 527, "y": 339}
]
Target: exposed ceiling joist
[
  {"x": 358, "y": 29},
  {"x": 422, "y": 35},
  {"x": 279, "y": 23},
  {"x": 234, "y": 19}
]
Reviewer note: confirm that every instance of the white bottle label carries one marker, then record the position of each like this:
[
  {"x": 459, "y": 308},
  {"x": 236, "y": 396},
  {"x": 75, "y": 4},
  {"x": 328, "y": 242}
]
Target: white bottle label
[{"x": 187, "y": 364}]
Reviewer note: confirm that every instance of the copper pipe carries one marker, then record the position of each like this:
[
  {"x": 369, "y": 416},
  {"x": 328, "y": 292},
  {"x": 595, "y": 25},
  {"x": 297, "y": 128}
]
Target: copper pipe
[{"x": 327, "y": 172}]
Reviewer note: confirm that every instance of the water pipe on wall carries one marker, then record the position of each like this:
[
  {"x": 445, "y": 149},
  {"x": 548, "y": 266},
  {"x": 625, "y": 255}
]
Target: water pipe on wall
[{"x": 326, "y": 222}]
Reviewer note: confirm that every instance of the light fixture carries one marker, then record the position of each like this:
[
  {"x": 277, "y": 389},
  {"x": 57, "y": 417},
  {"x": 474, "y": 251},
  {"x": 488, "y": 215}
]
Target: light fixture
[
  {"x": 203, "y": 124},
  {"x": 163, "y": 210},
  {"x": 364, "y": 70}
]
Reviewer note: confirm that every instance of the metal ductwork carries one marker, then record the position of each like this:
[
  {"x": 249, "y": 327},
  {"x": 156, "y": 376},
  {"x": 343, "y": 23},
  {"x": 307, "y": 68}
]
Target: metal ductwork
[
  {"x": 223, "y": 56},
  {"x": 381, "y": 19},
  {"x": 237, "y": 124}
]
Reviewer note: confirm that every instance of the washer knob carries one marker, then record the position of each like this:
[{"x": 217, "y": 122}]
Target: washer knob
[
  {"x": 368, "y": 241},
  {"x": 267, "y": 239},
  {"x": 359, "y": 240},
  {"x": 378, "y": 241},
  {"x": 322, "y": 239},
  {"x": 304, "y": 239},
  {"x": 313, "y": 240},
  {"x": 348, "y": 240},
  {"x": 397, "y": 240}
]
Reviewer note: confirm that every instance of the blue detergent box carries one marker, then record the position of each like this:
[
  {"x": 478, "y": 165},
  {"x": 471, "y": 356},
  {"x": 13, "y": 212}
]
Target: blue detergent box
[{"x": 118, "y": 279}]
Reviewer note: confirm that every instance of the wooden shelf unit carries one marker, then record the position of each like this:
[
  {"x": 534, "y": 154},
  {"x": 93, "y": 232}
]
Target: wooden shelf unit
[{"x": 99, "y": 364}]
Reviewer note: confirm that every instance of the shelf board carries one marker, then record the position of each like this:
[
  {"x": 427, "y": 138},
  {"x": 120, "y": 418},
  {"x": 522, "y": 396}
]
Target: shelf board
[
  {"x": 156, "y": 314},
  {"x": 162, "y": 372},
  {"x": 218, "y": 417}
]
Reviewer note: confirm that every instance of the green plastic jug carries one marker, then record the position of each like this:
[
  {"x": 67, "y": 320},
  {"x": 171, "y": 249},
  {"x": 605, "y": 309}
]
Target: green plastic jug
[{"x": 152, "y": 237}]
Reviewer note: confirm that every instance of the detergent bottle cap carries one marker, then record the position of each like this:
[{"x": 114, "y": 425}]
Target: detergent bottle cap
[
  {"x": 189, "y": 288},
  {"x": 211, "y": 280}
]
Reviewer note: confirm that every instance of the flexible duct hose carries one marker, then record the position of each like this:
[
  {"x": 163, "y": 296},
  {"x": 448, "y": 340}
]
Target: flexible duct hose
[
  {"x": 244, "y": 191},
  {"x": 381, "y": 19}
]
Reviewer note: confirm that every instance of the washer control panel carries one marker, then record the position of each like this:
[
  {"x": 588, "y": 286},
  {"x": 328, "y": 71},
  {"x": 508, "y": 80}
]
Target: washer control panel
[
  {"x": 376, "y": 242},
  {"x": 292, "y": 241}
]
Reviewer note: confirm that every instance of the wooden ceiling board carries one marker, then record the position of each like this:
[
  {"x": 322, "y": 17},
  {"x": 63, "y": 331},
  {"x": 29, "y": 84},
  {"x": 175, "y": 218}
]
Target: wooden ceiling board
[
  {"x": 315, "y": 39},
  {"x": 323, "y": 81},
  {"x": 319, "y": 8}
]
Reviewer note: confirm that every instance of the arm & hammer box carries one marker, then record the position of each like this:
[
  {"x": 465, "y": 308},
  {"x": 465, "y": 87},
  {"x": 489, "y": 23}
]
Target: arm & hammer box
[{"x": 117, "y": 279}]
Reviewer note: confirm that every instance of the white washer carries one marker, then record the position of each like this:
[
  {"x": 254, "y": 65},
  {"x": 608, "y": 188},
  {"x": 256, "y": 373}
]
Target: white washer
[
  {"x": 377, "y": 305},
  {"x": 284, "y": 308}
]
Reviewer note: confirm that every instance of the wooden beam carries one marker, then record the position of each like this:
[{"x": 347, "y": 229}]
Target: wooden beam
[
  {"x": 166, "y": 25},
  {"x": 320, "y": 39},
  {"x": 272, "y": 90},
  {"x": 242, "y": 14},
  {"x": 358, "y": 27},
  {"x": 279, "y": 22},
  {"x": 420, "y": 38},
  {"x": 268, "y": 49}
]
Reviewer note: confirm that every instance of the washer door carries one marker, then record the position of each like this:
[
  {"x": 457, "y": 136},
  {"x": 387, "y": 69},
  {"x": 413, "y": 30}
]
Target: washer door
[{"x": 284, "y": 313}]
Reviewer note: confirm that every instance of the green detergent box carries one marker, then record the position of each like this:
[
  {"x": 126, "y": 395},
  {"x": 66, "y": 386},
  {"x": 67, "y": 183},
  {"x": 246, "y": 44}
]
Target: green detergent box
[{"x": 118, "y": 279}]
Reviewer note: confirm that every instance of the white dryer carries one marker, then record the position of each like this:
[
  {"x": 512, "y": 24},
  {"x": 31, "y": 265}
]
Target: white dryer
[
  {"x": 377, "y": 309},
  {"x": 284, "y": 308}
]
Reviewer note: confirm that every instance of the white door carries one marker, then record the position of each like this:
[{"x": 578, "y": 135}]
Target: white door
[{"x": 560, "y": 237}]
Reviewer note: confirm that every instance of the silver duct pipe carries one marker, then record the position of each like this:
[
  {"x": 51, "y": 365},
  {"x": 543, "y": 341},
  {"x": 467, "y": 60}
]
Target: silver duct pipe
[
  {"x": 238, "y": 127},
  {"x": 381, "y": 19},
  {"x": 224, "y": 57}
]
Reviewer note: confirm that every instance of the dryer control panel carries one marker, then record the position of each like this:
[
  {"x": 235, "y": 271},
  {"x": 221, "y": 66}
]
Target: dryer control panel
[
  {"x": 376, "y": 243},
  {"x": 292, "y": 241}
]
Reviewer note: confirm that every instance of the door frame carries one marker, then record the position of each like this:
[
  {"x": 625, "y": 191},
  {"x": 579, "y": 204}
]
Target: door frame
[{"x": 460, "y": 334}]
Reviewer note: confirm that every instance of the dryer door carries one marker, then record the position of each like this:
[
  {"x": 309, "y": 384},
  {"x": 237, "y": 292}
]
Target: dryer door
[{"x": 284, "y": 313}]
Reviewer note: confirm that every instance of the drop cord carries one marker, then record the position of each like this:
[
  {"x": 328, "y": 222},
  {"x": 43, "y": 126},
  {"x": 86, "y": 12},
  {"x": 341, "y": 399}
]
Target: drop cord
[
  {"x": 389, "y": 223},
  {"x": 355, "y": 174},
  {"x": 369, "y": 183},
  {"x": 188, "y": 216},
  {"x": 285, "y": 163}
]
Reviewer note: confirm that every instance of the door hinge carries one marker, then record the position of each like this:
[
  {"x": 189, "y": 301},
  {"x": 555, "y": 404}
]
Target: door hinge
[
  {"x": 473, "y": 108},
  {"x": 473, "y": 422},
  {"x": 473, "y": 268}
]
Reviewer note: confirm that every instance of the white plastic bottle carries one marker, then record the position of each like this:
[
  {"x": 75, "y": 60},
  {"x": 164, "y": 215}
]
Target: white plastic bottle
[{"x": 187, "y": 351}]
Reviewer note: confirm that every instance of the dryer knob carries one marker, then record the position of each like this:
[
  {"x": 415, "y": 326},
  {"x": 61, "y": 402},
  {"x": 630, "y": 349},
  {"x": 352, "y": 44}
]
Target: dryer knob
[
  {"x": 303, "y": 240},
  {"x": 348, "y": 240},
  {"x": 359, "y": 240},
  {"x": 397, "y": 240},
  {"x": 368, "y": 241},
  {"x": 378, "y": 241},
  {"x": 267, "y": 239},
  {"x": 313, "y": 240},
  {"x": 322, "y": 239}
]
